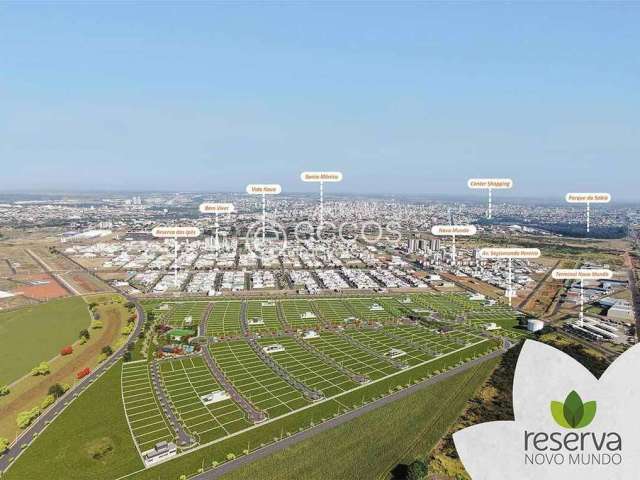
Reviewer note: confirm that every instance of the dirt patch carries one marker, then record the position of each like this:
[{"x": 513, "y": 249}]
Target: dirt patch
[
  {"x": 16, "y": 302},
  {"x": 39, "y": 291},
  {"x": 85, "y": 284}
]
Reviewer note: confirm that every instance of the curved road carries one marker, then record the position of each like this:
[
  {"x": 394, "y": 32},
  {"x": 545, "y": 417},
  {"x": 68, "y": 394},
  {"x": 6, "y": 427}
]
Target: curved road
[{"x": 40, "y": 423}]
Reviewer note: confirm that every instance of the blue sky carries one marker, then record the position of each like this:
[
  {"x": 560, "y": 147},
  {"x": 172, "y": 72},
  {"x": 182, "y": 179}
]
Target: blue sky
[{"x": 401, "y": 97}]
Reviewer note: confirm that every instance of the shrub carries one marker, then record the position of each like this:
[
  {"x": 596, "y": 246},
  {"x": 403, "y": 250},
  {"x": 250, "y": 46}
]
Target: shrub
[
  {"x": 128, "y": 329},
  {"x": 417, "y": 470},
  {"x": 46, "y": 401},
  {"x": 25, "y": 418},
  {"x": 107, "y": 350},
  {"x": 4, "y": 390},
  {"x": 68, "y": 350},
  {"x": 41, "y": 369},
  {"x": 4, "y": 445},
  {"x": 214, "y": 464},
  {"x": 96, "y": 324},
  {"x": 231, "y": 456},
  {"x": 100, "y": 448}
]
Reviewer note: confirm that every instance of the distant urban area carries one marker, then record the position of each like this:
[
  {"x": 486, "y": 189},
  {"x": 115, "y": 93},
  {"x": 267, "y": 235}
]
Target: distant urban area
[{"x": 231, "y": 323}]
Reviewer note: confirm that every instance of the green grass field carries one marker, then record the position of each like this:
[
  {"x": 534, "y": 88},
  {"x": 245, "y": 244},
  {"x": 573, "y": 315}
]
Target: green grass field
[
  {"x": 380, "y": 343},
  {"x": 334, "y": 310},
  {"x": 256, "y": 381},
  {"x": 186, "y": 380},
  {"x": 428, "y": 348},
  {"x": 224, "y": 319},
  {"x": 99, "y": 414},
  {"x": 368, "y": 447},
  {"x": 369, "y": 309},
  {"x": 350, "y": 357},
  {"x": 186, "y": 314},
  {"x": 64, "y": 450},
  {"x": 299, "y": 313},
  {"x": 148, "y": 424},
  {"x": 265, "y": 312},
  {"x": 34, "y": 334},
  {"x": 308, "y": 368}
]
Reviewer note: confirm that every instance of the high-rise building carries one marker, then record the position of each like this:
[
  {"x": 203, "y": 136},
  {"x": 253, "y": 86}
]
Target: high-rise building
[{"x": 412, "y": 245}]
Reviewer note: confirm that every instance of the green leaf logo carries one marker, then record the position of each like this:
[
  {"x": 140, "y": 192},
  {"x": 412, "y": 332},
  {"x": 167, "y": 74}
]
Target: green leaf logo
[{"x": 573, "y": 413}]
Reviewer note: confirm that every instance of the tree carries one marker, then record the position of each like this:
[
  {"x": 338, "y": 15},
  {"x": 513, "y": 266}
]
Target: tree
[
  {"x": 56, "y": 390},
  {"x": 107, "y": 350},
  {"x": 84, "y": 333},
  {"x": 4, "y": 390},
  {"x": 4, "y": 445},
  {"x": 417, "y": 470}
]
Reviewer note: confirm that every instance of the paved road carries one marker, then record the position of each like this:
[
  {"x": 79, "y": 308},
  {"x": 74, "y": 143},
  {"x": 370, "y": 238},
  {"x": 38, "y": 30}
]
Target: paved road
[
  {"x": 635, "y": 299},
  {"x": 63, "y": 283},
  {"x": 184, "y": 439},
  {"x": 523, "y": 303},
  {"x": 41, "y": 422},
  {"x": 254, "y": 414},
  {"x": 334, "y": 422}
]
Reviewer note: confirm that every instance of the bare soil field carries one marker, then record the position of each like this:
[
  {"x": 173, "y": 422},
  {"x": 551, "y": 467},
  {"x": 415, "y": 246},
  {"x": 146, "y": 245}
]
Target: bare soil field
[
  {"x": 85, "y": 283},
  {"x": 106, "y": 276},
  {"x": 56, "y": 262},
  {"x": 16, "y": 302},
  {"x": 476, "y": 285},
  {"x": 90, "y": 263},
  {"x": 18, "y": 259},
  {"x": 52, "y": 289}
]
